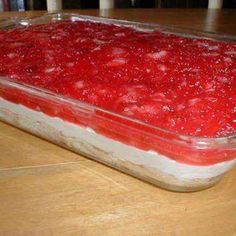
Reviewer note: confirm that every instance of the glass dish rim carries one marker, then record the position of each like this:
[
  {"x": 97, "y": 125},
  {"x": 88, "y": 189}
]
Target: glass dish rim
[
  {"x": 202, "y": 142},
  {"x": 167, "y": 28}
]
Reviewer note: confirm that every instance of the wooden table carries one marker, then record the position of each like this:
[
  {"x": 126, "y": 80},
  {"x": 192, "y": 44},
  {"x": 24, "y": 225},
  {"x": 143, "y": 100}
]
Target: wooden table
[{"x": 47, "y": 190}]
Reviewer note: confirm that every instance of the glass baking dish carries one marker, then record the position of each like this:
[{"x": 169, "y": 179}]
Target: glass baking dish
[{"x": 167, "y": 159}]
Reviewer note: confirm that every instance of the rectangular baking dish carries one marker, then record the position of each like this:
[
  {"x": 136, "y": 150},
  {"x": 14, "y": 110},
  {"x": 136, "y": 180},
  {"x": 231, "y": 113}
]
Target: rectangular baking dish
[{"x": 144, "y": 151}]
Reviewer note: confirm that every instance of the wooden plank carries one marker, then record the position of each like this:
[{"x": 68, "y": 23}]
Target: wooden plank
[{"x": 91, "y": 199}]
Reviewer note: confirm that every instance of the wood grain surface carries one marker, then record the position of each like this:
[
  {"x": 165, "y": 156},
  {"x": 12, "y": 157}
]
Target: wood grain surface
[{"x": 47, "y": 190}]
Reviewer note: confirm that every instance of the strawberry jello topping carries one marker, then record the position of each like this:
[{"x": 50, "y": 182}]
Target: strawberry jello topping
[{"x": 186, "y": 85}]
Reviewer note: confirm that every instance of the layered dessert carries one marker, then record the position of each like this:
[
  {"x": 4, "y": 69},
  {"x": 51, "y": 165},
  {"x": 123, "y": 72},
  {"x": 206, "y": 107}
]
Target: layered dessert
[{"x": 154, "y": 104}]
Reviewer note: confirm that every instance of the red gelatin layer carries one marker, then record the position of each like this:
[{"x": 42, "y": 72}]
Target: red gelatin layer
[{"x": 185, "y": 85}]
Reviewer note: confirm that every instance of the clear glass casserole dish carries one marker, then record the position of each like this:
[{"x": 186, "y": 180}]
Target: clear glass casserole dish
[{"x": 167, "y": 159}]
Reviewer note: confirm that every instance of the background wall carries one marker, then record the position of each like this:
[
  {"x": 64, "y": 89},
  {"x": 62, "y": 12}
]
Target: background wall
[{"x": 86, "y": 4}]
